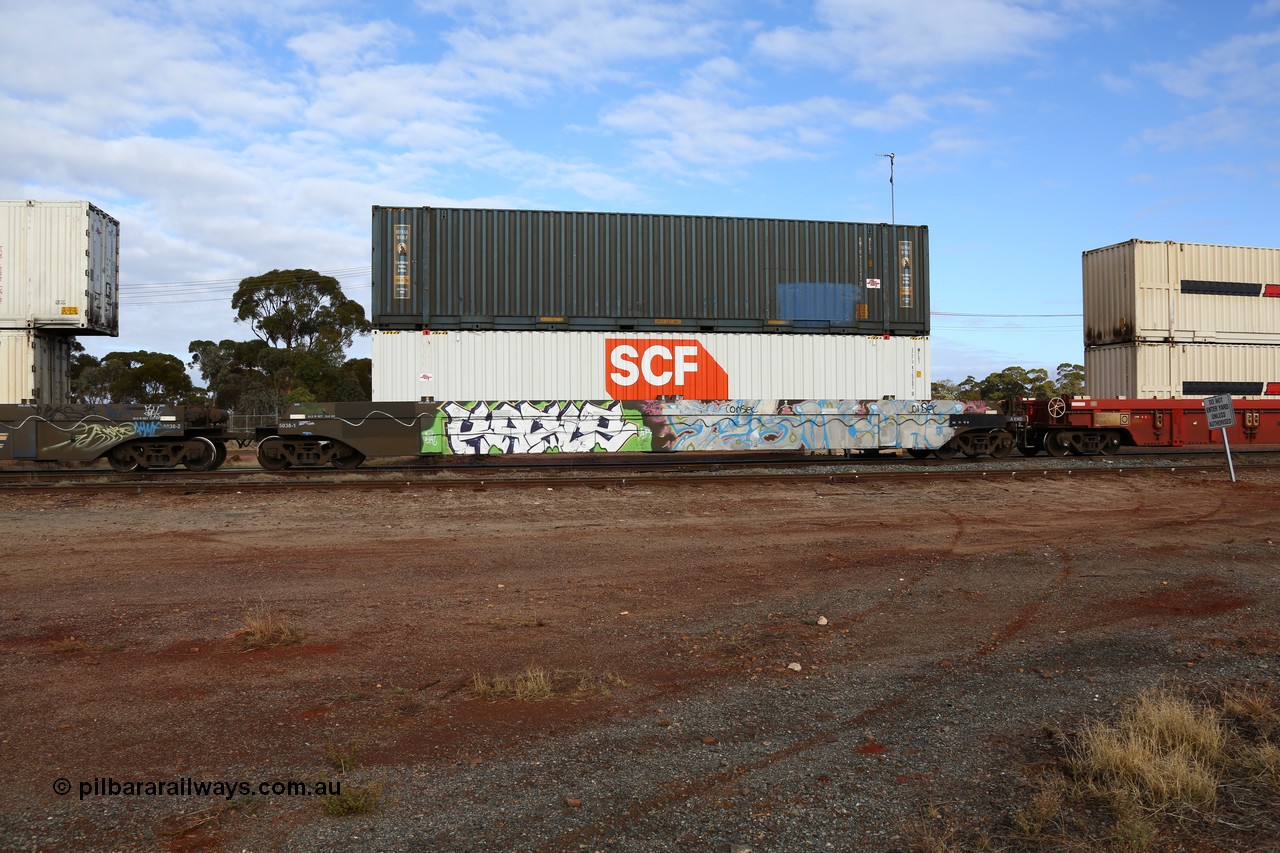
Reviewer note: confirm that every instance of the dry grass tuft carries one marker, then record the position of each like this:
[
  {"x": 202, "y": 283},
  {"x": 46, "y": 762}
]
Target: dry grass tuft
[
  {"x": 589, "y": 684},
  {"x": 67, "y": 646},
  {"x": 343, "y": 759},
  {"x": 1045, "y": 807},
  {"x": 265, "y": 628},
  {"x": 208, "y": 818},
  {"x": 537, "y": 683},
  {"x": 1262, "y": 763},
  {"x": 1161, "y": 757},
  {"x": 1252, "y": 707},
  {"x": 1180, "y": 768},
  {"x": 532, "y": 685}
]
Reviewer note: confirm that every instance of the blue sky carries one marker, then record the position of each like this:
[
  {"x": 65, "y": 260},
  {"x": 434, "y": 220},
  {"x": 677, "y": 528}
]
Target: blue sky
[{"x": 237, "y": 137}]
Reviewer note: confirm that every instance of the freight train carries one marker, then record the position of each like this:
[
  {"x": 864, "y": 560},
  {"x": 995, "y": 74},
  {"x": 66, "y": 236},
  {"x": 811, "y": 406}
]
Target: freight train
[
  {"x": 604, "y": 332},
  {"x": 344, "y": 435}
]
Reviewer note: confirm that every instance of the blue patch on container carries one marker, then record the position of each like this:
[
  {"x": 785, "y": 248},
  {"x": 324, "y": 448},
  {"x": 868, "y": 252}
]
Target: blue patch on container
[{"x": 804, "y": 302}]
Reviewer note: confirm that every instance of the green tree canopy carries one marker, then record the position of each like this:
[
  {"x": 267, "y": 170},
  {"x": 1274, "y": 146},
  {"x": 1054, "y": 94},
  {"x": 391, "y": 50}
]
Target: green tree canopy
[
  {"x": 303, "y": 323},
  {"x": 132, "y": 377},
  {"x": 1014, "y": 382},
  {"x": 299, "y": 309},
  {"x": 252, "y": 378},
  {"x": 238, "y": 375},
  {"x": 1070, "y": 380}
]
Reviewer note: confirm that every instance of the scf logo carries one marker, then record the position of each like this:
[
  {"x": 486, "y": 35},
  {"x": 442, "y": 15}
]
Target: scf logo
[{"x": 645, "y": 368}]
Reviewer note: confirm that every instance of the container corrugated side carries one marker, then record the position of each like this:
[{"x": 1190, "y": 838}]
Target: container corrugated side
[
  {"x": 59, "y": 267},
  {"x": 1142, "y": 291},
  {"x": 34, "y": 368},
  {"x": 1182, "y": 370},
  {"x": 466, "y": 269},
  {"x": 604, "y": 365}
]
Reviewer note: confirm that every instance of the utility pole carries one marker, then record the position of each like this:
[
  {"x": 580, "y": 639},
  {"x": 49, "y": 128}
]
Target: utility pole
[{"x": 893, "y": 213}]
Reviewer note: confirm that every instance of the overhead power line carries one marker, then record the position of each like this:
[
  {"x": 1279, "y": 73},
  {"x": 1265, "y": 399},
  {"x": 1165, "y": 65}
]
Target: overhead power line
[
  {"x": 214, "y": 290},
  {"x": 983, "y": 314},
  {"x": 235, "y": 282}
]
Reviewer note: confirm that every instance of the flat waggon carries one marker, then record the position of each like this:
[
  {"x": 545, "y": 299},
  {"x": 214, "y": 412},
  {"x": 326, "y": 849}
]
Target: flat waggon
[
  {"x": 345, "y": 434},
  {"x": 129, "y": 436},
  {"x": 1077, "y": 425}
]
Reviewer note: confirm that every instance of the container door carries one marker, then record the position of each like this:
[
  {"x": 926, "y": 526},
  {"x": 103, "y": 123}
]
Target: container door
[
  {"x": 104, "y": 273},
  {"x": 399, "y": 286}
]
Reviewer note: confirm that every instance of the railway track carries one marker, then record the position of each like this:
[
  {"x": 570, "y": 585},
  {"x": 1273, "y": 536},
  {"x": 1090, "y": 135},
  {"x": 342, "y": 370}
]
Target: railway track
[{"x": 630, "y": 472}]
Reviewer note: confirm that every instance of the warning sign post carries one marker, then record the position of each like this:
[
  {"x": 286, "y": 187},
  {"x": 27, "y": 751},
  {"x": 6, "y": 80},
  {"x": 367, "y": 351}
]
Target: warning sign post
[{"x": 1222, "y": 414}]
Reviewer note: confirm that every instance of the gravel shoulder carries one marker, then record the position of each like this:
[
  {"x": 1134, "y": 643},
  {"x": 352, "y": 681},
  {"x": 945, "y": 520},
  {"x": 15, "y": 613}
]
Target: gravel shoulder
[{"x": 736, "y": 666}]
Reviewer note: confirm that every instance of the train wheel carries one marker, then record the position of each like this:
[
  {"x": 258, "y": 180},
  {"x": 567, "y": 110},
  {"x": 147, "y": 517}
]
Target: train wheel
[
  {"x": 1110, "y": 444},
  {"x": 220, "y": 454},
  {"x": 271, "y": 455},
  {"x": 1001, "y": 444},
  {"x": 347, "y": 457},
  {"x": 948, "y": 450},
  {"x": 1057, "y": 443},
  {"x": 204, "y": 459},
  {"x": 918, "y": 452},
  {"x": 122, "y": 460}
]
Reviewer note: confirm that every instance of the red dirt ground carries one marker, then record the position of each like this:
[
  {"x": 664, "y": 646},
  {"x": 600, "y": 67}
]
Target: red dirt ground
[{"x": 120, "y": 655}]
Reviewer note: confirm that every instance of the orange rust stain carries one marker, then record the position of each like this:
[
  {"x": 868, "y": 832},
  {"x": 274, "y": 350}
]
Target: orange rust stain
[
  {"x": 871, "y": 748},
  {"x": 1203, "y": 595}
]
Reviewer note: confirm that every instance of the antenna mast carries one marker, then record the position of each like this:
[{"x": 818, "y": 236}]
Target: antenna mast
[{"x": 893, "y": 213}]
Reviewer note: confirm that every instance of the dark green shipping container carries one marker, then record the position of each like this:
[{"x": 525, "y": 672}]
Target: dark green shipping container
[{"x": 451, "y": 269}]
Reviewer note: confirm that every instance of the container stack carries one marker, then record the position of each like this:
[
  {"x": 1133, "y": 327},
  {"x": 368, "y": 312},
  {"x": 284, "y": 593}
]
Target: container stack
[
  {"x": 59, "y": 277},
  {"x": 540, "y": 305},
  {"x": 1168, "y": 320}
]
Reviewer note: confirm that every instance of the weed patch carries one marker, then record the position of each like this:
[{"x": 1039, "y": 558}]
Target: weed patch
[
  {"x": 1178, "y": 768},
  {"x": 538, "y": 683},
  {"x": 266, "y": 628},
  {"x": 357, "y": 800},
  {"x": 342, "y": 758}
]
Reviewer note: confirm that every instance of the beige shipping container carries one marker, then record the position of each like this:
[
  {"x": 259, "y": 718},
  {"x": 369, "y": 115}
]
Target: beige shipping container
[
  {"x": 490, "y": 365},
  {"x": 59, "y": 267},
  {"x": 1148, "y": 292},
  {"x": 34, "y": 368},
  {"x": 1165, "y": 371}
]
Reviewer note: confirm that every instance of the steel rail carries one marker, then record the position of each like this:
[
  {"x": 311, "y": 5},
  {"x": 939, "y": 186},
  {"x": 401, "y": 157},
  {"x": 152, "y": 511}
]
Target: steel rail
[{"x": 267, "y": 482}]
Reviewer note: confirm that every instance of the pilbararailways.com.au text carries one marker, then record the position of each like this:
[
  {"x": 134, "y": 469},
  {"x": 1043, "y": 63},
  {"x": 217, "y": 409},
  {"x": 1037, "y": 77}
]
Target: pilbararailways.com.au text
[{"x": 186, "y": 786}]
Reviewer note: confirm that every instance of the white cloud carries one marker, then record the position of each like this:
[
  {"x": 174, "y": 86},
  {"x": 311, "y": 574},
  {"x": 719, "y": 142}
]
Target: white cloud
[
  {"x": 1221, "y": 126},
  {"x": 572, "y": 43},
  {"x": 1243, "y": 68},
  {"x": 109, "y": 75},
  {"x": 341, "y": 47},
  {"x": 705, "y": 125},
  {"x": 898, "y": 43}
]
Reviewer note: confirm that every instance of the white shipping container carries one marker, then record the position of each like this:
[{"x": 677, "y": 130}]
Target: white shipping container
[
  {"x": 1142, "y": 291},
  {"x": 1167, "y": 371},
  {"x": 34, "y": 368},
  {"x": 59, "y": 267},
  {"x": 464, "y": 365}
]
